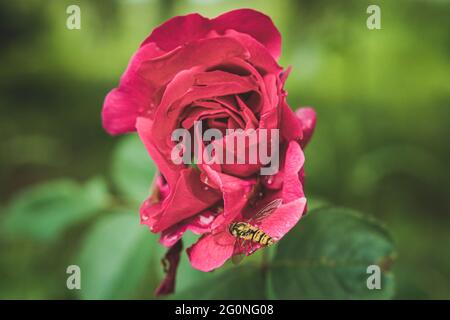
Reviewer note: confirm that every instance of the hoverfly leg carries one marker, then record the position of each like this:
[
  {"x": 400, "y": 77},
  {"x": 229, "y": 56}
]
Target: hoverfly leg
[
  {"x": 247, "y": 247},
  {"x": 252, "y": 249}
]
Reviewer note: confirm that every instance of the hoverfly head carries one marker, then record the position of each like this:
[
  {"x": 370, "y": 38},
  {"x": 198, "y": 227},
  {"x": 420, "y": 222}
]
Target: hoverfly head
[
  {"x": 232, "y": 229},
  {"x": 236, "y": 228}
]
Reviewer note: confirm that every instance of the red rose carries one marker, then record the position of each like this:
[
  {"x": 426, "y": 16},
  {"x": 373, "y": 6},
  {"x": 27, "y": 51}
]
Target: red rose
[{"x": 224, "y": 73}]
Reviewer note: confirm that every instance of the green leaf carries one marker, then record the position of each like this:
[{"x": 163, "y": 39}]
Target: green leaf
[
  {"x": 44, "y": 211},
  {"x": 115, "y": 258},
  {"x": 326, "y": 257},
  {"x": 245, "y": 282},
  {"x": 132, "y": 169}
]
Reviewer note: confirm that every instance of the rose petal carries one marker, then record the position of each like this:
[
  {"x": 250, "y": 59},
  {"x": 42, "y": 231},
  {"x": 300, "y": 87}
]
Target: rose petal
[
  {"x": 292, "y": 186},
  {"x": 170, "y": 263},
  {"x": 253, "y": 23},
  {"x": 178, "y": 31},
  {"x": 183, "y": 29},
  {"x": 307, "y": 117},
  {"x": 284, "y": 218},
  {"x": 202, "y": 52},
  {"x": 245, "y": 169},
  {"x": 207, "y": 254},
  {"x": 203, "y": 108},
  {"x": 186, "y": 199},
  {"x": 171, "y": 235},
  {"x": 259, "y": 56},
  {"x": 288, "y": 181},
  {"x": 198, "y": 224},
  {"x": 120, "y": 110},
  {"x": 123, "y": 104},
  {"x": 144, "y": 53},
  {"x": 291, "y": 128},
  {"x": 233, "y": 192}
]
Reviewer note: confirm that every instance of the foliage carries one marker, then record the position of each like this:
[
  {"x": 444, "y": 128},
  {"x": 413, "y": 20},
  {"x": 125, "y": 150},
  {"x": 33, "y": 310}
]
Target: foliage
[
  {"x": 382, "y": 99},
  {"x": 44, "y": 211},
  {"x": 115, "y": 257},
  {"x": 326, "y": 256}
]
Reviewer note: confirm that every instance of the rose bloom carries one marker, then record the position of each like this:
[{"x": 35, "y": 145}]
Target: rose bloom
[{"x": 223, "y": 72}]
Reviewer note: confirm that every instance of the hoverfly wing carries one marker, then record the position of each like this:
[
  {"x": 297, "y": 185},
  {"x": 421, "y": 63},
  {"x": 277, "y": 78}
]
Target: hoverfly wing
[
  {"x": 237, "y": 259},
  {"x": 266, "y": 211},
  {"x": 240, "y": 250}
]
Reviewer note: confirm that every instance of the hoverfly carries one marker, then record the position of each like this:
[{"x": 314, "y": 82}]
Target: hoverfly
[{"x": 247, "y": 234}]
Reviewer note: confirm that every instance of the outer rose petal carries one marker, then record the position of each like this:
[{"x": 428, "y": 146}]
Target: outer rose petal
[
  {"x": 123, "y": 104},
  {"x": 307, "y": 117},
  {"x": 170, "y": 262},
  {"x": 199, "y": 224},
  {"x": 180, "y": 30},
  {"x": 204, "y": 52},
  {"x": 260, "y": 56},
  {"x": 171, "y": 235},
  {"x": 287, "y": 179},
  {"x": 291, "y": 128},
  {"x": 253, "y": 23},
  {"x": 292, "y": 186},
  {"x": 185, "y": 200},
  {"x": 120, "y": 110},
  {"x": 207, "y": 254},
  {"x": 284, "y": 218}
]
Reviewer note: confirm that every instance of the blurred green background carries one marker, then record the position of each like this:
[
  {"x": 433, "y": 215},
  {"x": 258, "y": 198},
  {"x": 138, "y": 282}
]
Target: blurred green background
[{"x": 380, "y": 146}]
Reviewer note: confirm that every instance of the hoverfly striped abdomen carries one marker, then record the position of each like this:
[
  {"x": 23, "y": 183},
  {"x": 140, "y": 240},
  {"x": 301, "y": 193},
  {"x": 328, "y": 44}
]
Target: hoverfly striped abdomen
[
  {"x": 262, "y": 238},
  {"x": 246, "y": 231}
]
